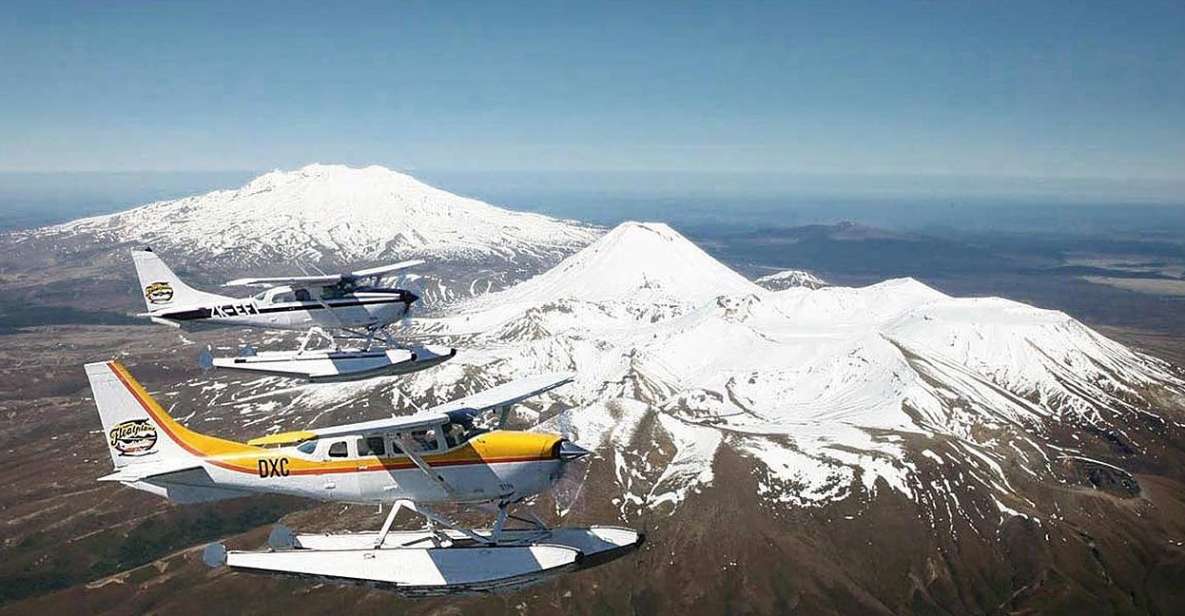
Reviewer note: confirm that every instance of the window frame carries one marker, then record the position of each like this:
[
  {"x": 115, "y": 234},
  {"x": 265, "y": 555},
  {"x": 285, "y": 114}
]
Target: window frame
[
  {"x": 344, "y": 443},
  {"x": 439, "y": 443},
  {"x": 368, "y": 442}
]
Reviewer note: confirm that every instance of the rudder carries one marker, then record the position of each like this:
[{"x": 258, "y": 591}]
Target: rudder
[
  {"x": 162, "y": 288},
  {"x": 132, "y": 434}
]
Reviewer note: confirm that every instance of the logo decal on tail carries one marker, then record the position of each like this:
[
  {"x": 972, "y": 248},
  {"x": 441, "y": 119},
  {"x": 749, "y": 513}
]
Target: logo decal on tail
[
  {"x": 159, "y": 293},
  {"x": 135, "y": 437}
]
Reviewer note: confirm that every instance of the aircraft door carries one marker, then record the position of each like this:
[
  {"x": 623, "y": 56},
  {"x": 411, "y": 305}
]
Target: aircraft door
[
  {"x": 375, "y": 482},
  {"x": 341, "y": 483}
]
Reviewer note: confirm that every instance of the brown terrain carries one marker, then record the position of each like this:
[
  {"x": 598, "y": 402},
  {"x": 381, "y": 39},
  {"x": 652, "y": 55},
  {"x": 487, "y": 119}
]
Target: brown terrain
[
  {"x": 1087, "y": 539},
  {"x": 1101, "y": 544}
]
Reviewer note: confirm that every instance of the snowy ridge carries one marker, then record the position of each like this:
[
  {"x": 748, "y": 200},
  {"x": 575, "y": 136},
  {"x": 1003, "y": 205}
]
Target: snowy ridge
[
  {"x": 333, "y": 212},
  {"x": 642, "y": 261},
  {"x": 823, "y": 389},
  {"x": 789, "y": 279}
]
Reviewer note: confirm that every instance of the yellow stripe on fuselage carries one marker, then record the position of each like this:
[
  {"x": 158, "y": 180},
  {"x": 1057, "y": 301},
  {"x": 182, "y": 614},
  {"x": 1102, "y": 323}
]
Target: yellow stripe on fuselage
[{"x": 489, "y": 448}]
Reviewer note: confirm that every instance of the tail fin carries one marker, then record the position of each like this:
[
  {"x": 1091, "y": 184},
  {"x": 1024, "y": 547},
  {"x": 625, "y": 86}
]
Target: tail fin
[
  {"x": 135, "y": 426},
  {"x": 162, "y": 288}
]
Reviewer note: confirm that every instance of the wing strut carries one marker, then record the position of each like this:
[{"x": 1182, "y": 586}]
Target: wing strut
[
  {"x": 391, "y": 520},
  {"x": 433, "y": 517},
  {"x": 408, "y": 447}
]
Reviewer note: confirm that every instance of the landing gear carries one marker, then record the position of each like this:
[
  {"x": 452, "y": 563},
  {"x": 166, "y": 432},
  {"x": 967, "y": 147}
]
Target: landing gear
[
  {"x": 320, "y": 333},
  {"x": 438, "y": 528},
  {"x": 379, "y": 355},
  {"x": 440, "y": 559}
]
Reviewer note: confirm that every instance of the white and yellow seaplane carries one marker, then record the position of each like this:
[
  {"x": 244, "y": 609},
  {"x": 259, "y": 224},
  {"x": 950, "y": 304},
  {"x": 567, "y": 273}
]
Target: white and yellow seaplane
[
  {"x": 355, "y": 306},
  {"x": 411, "y": 462}
]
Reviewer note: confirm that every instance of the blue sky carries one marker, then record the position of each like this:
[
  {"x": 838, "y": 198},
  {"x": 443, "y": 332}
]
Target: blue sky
[{"x": 1028, "y": 89}]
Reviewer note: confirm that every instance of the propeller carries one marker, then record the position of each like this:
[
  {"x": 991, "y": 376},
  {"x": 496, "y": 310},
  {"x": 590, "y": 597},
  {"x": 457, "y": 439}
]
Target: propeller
[
  {"x": 413, "y": 284},
  {"x": 577, "y": 461}
]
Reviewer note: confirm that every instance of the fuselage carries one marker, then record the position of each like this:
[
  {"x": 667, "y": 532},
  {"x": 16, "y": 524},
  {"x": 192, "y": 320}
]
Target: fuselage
[
  {"x": 434, "y": 457},
  {"x": 499, "y": 465},
  {"x": 361, "y": 309},
  {"x": 475, "y": 465}
]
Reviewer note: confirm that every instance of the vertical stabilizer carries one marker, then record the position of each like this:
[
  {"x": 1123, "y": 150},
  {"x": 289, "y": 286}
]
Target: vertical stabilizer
[
  {"x": 132, "y": 420},
  {"x": 162, "y": 289}
]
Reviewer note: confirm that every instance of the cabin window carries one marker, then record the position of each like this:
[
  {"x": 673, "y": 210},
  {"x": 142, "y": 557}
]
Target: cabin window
[
  {"x": 423, "y": 440},
  {"x": 338, "y": 450},
  {"x": 307, "y": 447},
  {"x": 302, "y": 295},
  {"x": 454, "y": 434},
  {"x": 283, "y": 298},
  {"x": 371, "y": 446}
]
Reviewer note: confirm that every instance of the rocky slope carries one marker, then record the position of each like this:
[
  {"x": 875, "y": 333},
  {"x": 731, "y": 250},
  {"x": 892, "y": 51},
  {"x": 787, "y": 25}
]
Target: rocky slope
[{"x": 885, "y": 449}]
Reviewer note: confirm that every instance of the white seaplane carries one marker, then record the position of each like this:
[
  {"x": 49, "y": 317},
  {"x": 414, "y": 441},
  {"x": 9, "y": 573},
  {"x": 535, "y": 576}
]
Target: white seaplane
[
  {"x": 354, "y": 305},
  {"x": 411, "y": 462}
]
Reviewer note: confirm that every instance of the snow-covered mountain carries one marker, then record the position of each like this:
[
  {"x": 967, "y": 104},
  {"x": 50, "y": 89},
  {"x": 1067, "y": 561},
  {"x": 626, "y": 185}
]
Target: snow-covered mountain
[
  {"x": 327, "y": 216},
  {"x": 886, "y": 449},
  {"x": 788, "y": 279},
  {"x": 332, "y": 210},
  {"x": 834, "y": 392}
]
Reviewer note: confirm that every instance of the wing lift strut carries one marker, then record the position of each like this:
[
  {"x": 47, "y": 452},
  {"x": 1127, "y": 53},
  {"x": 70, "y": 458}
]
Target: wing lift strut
[{"x": 441, "y": 559}]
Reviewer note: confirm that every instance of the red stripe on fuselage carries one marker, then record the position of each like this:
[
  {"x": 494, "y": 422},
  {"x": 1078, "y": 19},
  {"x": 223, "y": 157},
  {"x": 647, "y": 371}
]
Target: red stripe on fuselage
[{"x": 379, "y": 466}]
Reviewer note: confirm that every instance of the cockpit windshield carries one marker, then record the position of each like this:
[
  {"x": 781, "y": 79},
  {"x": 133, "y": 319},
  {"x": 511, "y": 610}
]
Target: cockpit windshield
[
  {"x": 340, "y": 289},
  {"x": 461, "y": 427}
]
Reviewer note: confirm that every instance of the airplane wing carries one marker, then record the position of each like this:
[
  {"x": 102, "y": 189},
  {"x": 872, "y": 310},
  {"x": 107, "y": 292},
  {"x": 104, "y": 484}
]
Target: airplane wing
[
  {"x": 326, "y": 279},
  {"x": 386, "y": 269},
  {"x": 508, "y": 394},
  {"x": 500, "y": 397},
  {"x": 296, "y": 281}
]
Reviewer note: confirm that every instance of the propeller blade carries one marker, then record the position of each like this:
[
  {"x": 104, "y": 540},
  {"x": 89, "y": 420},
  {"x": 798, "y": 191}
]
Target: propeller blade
[
  {"x": 412, "y": 283},
  {"x": 566, "y": 491},
  {"x": 577, "y": 462}
]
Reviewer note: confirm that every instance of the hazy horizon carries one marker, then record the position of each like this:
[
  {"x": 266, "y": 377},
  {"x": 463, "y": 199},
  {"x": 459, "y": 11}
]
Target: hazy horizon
[{"x": 736, "y": 200}]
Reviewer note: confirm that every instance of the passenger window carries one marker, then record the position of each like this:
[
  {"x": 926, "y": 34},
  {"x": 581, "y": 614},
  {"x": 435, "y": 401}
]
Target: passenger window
[
  {"x": 307, "y": 447},
  {"x": 371, "y": 446},
  {"x": 423, "y": 440},
  {"x": 302, "y": 295},
  {"x": 338, "y": 450}
]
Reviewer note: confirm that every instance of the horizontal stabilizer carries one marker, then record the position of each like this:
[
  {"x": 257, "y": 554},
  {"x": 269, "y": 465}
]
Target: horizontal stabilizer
[{"x": 140, "y": 472}]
